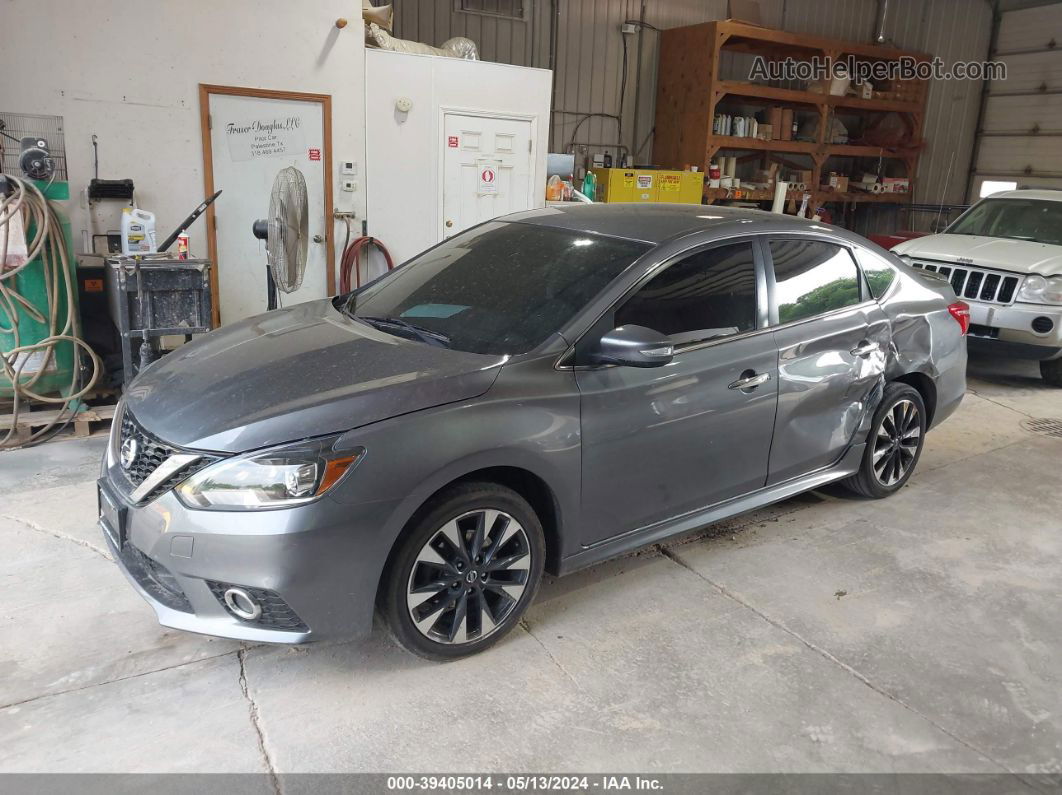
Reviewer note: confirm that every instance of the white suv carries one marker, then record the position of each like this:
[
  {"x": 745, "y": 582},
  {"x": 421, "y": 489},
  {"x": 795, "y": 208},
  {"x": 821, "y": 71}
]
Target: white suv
[{"x": 1003, "y": 257}]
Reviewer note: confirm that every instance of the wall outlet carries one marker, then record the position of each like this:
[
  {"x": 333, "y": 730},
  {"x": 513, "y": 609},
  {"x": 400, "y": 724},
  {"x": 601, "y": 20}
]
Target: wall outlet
[
  {"x": 350, "y": 185},
  {"x": 348, "y": 167},
  {"x": 628, "y": 29}
]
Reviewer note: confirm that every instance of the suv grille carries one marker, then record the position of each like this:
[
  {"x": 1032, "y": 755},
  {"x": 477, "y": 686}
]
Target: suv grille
[
  {"x": 977, "y": 284},
  {"x": 151, "y": 452}
]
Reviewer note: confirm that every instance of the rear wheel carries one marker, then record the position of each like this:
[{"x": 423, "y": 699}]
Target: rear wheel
[
  {"x": 894, "y": 445},
  {"x": 465, "y": 572},
  {"x": 1052, "y": 372}
]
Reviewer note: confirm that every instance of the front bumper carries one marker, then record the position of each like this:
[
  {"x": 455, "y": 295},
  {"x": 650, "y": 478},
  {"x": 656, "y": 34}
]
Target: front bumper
[
  {"x": 1015, "y": 330},
  {"x": 322, "y": 561}
]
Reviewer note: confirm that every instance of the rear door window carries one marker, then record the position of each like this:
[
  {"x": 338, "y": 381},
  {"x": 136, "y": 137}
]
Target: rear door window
[
  {"x": 812, "y": 278},
  {"x": 879, "y": 273}
]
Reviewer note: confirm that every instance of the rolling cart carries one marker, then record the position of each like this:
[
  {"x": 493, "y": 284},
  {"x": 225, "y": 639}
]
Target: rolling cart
[{"x": 153, "y": 296}]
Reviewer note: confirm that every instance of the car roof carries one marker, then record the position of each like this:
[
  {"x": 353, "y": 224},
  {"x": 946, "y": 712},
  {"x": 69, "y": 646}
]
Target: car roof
[
  {"x": 657, "y": 223},
  {"x": 1044, "y": 194}
]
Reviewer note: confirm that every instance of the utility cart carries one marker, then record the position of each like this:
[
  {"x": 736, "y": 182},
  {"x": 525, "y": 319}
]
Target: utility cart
[{"x": 153, "y": 296}]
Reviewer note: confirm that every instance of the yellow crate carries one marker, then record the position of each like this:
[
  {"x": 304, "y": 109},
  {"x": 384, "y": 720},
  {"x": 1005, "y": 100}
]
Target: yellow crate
[{"x": 648, "y": 185}]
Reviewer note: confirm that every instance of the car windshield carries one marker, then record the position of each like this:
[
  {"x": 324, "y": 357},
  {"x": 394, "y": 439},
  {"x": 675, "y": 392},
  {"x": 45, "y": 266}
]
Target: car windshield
[
  {"x": 1017, "y": 219},
  {"x": 499, "y": 288}
]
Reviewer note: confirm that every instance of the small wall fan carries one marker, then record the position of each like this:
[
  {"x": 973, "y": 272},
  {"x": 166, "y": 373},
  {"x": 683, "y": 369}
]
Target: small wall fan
[{"x": 286, "y": 233}]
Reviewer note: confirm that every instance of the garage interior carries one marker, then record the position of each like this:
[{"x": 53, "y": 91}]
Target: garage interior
[{"x": 822, "y": 634}]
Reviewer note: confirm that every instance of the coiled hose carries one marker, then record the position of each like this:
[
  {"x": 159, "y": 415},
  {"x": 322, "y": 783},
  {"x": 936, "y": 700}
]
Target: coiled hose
[
  {"x": 49, "y": 244},
  {"x": 351, "y": 261}
]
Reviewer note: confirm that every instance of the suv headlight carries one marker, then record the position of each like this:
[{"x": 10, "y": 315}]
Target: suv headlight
[
  {"x": 1039, "y": 290},
  {"x": 277, "y": 478}
]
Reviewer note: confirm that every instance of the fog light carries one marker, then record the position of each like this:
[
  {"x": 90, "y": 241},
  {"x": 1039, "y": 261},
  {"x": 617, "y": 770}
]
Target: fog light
[
  {"x": 242, "y": 605},
  {"x": 1042, "y": 325}
]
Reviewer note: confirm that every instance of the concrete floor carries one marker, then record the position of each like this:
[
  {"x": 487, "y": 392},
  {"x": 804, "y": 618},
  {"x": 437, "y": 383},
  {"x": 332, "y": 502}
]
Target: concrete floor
[{"x": 923, "y": 633}]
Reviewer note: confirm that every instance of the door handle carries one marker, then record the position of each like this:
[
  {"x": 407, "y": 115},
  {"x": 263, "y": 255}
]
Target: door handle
[
  {"x": 865, "y": 349},
  {"x": 750, "y": 381}
]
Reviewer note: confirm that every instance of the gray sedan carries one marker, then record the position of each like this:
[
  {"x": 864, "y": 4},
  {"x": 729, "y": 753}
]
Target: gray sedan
[{"x": 539, "y": 393}]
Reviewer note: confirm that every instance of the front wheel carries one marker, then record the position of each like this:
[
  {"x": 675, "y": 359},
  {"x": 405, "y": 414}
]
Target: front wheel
[
  {"x": 1051, "y": 372},
  {"x": 894, "y": 445},
  {"x": 464, "y": 572}
]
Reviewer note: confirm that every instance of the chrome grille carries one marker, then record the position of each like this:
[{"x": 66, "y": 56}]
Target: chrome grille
[
  {"x": 151, "y": 453},
  {"x": 976, "y": 284}
]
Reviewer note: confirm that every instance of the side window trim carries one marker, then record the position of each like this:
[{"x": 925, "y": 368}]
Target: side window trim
[{"x": 772, "y": 285}]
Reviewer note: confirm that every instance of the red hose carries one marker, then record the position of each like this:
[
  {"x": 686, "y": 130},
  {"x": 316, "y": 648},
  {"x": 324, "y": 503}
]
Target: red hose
[{"x": 352, "y": 261}]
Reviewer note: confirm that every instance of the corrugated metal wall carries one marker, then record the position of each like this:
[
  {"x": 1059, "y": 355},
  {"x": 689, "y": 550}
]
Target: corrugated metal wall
[{"x": 590, "y": 59}]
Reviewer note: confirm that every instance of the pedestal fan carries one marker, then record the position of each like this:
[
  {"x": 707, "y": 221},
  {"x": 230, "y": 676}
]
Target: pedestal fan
[{"x": 286, "y": 233}]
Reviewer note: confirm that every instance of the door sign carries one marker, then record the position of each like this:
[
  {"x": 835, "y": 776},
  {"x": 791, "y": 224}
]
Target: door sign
[{"x": 488, "y": 180}]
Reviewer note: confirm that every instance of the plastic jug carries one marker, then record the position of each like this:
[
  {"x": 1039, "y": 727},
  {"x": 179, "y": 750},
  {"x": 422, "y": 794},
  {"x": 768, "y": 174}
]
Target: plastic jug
[{"x": 138, "y": 231}]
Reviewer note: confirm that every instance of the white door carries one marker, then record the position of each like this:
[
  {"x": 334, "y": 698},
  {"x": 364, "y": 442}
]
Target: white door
[
  {"x": 486, "y": 169},
  {"x": 251, "y": 139}
]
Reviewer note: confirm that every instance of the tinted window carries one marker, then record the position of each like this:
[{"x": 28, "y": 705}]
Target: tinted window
[
  {"x": 500, "y": 288},
  {"x": 812, "y": 278},
  {"x": 1019, "y": 219},
  {"x": 710, "y": 294},
  {"x": 879, "y": 273}
]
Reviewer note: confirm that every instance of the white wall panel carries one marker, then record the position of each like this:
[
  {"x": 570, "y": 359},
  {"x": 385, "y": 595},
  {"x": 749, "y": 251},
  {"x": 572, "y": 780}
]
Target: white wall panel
[
  {"x": 403, "y": 174},
  {"x": 1023, "y": 113},
  {"x": 1030, "y": 28}
]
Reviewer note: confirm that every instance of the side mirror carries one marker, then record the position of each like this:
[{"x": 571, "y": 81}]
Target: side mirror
[{"x": 635, "y": 346}]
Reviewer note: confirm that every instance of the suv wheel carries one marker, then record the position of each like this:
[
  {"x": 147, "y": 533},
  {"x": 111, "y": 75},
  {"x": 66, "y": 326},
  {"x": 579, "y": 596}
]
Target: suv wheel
[
  {"x": 465, "y": 572},
  {"x": 894, "y": 445},
  {"x": 1051, "y": 371}
]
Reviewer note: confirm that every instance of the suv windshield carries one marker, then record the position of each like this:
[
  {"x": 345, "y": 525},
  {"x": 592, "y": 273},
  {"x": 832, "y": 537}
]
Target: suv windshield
[
  {"x": 500, "y": 288},
  {"x": 1018, "y": 219}
]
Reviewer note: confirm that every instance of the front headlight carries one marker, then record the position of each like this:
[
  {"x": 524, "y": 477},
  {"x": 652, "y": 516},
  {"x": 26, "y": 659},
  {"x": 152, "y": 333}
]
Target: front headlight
[
  {"x": 277, "y": 478},
  {"x": 1039, "y": 290}
]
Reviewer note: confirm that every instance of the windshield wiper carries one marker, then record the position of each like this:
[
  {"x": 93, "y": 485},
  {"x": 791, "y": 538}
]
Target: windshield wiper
[{"x": 429, "y": 336}]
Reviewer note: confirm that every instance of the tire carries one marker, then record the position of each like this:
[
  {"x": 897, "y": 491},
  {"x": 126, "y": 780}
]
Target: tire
[
  {"x": 465, "y": 597},
  {"x": 887, "y": 463},
  {"x": 1051, "y": 372}
]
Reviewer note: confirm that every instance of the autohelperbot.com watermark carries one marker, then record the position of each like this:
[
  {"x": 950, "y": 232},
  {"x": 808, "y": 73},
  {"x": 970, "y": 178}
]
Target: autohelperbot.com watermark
[{"x": 903, "y": 68}]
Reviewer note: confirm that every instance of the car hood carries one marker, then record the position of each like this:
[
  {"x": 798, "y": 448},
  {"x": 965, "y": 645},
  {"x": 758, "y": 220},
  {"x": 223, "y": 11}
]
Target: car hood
[
  {"x": 1018, "y": 256},
  {"x": 294, "y": 373}
]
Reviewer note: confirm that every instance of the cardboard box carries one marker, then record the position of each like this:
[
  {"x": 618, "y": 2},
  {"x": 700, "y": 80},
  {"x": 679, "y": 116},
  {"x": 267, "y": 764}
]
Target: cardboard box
[
  {"x": 774, "y": 117},
  {"x": 786, "y": 133},
  {"x": 839, "y": 183}
]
